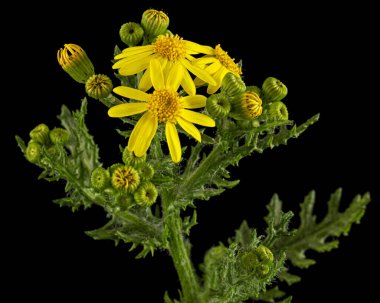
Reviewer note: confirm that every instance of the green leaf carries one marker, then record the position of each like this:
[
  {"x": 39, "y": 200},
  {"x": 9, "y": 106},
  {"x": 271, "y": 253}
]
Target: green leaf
[
  {"x": 21, "y": 144},
  {"x": 321, "y": 236},
  {"x": 270, "y": 295}
]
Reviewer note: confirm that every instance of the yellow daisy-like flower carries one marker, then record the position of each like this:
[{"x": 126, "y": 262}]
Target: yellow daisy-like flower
[
  {"x": 164, "y": 105},
  {"x": 218, "y": 64},
  {"x": 171, "y": 52}
]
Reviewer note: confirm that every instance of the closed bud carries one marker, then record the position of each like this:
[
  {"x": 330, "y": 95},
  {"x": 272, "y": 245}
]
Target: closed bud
[
  {"x": 146, "y": 171},
  {"x": 33, "y": 152},
  {"x": 131, "y": 33},
  {"x": 265, "y": 255},
  {"x": 40, "y": 134},
  {"x": 59, "y": 136},
  {"x": 98, "y": 86},
  {"x": 154, "y": 22},
  {"x": 278, "y": 111},
  {"x": 146, "y": 194},
  {"x": 254, "y": 89},
  {"x": 274, "y": 90},
  {"x": 129, "y": 158},
  {"x": 233, "y": 85},
  {"x": 249, "y": 261},
  {"x": 100, "y": 178},
  {"x": 218, "y": 105},
  {"x": 74, "y": 61},
  {"x": 247, "y": 106},
  {"x": 125, "y": 178}
]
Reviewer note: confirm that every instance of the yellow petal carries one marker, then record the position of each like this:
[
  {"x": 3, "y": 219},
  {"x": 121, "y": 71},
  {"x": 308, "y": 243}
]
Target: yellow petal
[
  {"x": 136, "y": 66},
  {"x": 198, "y": 82},
  {"x": 201, "y": 73},
  {"x": 173, "y": 142},
  {"x": 197, "y": 118},
  {"x": 189, "y": 128},
  {"x": 156, "y": 74},
  {"x": 142, "y": 134},
  {"x": 145, "y": 81},
  {"x": 219, "y": 75},
  {"x": 175, "y": 76},
  {"x": 196, "y": 101},
  {"x": 132, "y": 93},
  {"x": 205, "y": 60},
  {"x": 199, "y": 48},
  {"x": 127, "y": 109},
  {"x": 214, "y": 68},
  {"x": 137, "y": 49},
  {"x": 129, "y": 60},
  {"x": 188, "y": 83}
]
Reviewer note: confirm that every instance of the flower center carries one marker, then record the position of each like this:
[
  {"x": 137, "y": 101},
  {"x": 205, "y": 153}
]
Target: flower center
[
  {"x": 172, "y": 48},
  {"x": 227, "y": 61},
  {"x": 165, "y": 105}
]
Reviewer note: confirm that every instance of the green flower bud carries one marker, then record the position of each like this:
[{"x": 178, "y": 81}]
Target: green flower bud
[
  {"x": 131, "y": 33},
  {"x": 52, "y": 151},
  {"x": 40, "y": 134},
  {"x": 154, "y": 22},
  {"x": 59, "y": 136},
  {"x": 232, "y": 85},
  {"x": 218, "y": 105},
  {"x": 125, "y": 178},
  {"x": 265, "y": 255},
  {"x": 254, "y": 89},
  {"x": 146, "y": 194},
  {"x": 146, "y": 171},
  {"x": 100, "y": 178},
  {"x": 98, "y": 86},
  {"x": 247, "y": 106},
  {"x": 263, "y": 270},
  {"x": 129, "y": 158},
  {"x": 249, "y": 261},
  {"x": 274, "y": 90},
  {"x": 115, "y": 166},
  {"x": 74, "y": 61},
  {"x": 33, "y": 152},
  {"x": 278, "y": 111}
]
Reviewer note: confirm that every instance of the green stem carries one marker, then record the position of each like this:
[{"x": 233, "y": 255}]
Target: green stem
[{"x": 180, "y": 255}]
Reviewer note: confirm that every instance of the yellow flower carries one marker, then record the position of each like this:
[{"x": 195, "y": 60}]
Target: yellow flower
[
  {"x": 171, "y": 52},
  {"x": 164, "y": 105},
  {"x": 218, "y": 64}
]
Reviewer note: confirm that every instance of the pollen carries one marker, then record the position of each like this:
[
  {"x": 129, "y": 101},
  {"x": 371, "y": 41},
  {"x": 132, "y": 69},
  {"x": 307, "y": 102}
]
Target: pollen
[
  {"x": 172, "y": 48},
  {"x": 226, "y": 60},
  {"x": 165, "y": 105}
]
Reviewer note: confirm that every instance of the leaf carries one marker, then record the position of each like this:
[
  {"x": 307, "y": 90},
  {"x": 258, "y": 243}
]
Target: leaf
[
  {"x": 21, "y": 144},
  {"x": 270, "y": 295},
  {"x": 321, "y": 236}
]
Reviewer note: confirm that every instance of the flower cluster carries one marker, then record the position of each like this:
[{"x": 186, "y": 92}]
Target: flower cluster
[{"x": 169, "y": 70}]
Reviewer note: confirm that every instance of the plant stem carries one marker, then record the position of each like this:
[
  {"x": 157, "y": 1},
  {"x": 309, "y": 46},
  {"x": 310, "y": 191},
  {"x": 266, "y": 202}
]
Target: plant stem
[{"x": 179, "y": 253}]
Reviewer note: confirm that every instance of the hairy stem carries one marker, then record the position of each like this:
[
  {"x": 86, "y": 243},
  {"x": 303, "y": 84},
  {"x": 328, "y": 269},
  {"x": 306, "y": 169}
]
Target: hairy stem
[{"x": 180, "y": 255}]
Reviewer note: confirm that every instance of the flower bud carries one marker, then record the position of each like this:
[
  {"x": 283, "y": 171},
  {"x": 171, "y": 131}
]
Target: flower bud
[
  {"x": 218, "y": 105},
  {"x": 59, "y": 136},
  {"x": 98, "y": 86},
  {"x": 131, "y": 33},
  {"x": 232, "y": 85},
  {"x": 100, "y": 178},
  {"x": 40, "y": 134},
  {"x": 154, "y": 22},
  {"x": 247, "y": 106},
  {"x": 146, "y": 171},
  {"x": 74, "y": 61},
  {"x": 129, "y": 158},
  {"x": 254, "y": 89},
  {"x": 278, "y": 111},
  {"x": 33, "y": 152},
  {"x": 125, "y": 178},
  {"x": 274, "y": 90},
  {"x": 265, "y": 255},
  {"x": 146, "y": 194}
]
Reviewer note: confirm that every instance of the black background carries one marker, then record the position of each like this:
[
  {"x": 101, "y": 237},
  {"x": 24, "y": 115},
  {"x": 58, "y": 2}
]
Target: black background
[{"x": 323, "y": 54}]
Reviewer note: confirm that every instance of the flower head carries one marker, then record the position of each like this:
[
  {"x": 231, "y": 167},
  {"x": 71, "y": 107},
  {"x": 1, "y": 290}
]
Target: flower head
[
  {"x": 247, "y": 106},
  {"x": 74, "y": 60},
  {"x": 164, "y": 105},
  {"x": 171, "y": 52},
  {"x": 125, "y": 178},
  {"x": 154, "y": 22},
  {"x": 131, "y": 33},
  {"x": 218, "y": 64},
  {"x": 98, "y": 86}
]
